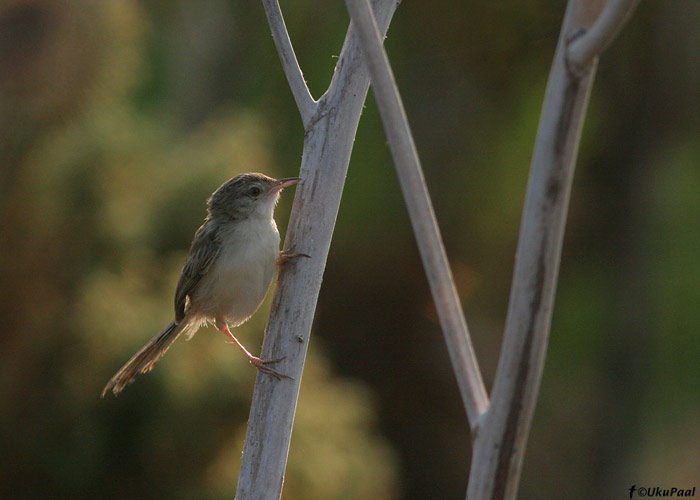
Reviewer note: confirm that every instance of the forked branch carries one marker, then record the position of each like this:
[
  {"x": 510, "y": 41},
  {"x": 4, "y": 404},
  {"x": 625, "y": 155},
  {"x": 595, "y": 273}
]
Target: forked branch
[
  {"x": 420, "y": 210},
  {"x": 499, "y": 446},
  {"x": 328, "y": 142},
  {"x": 583, "y": 49},
  {"x": 330, "y": 123}
]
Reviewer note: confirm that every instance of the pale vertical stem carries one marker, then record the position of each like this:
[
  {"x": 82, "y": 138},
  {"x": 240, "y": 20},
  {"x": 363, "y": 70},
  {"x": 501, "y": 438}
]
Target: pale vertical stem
[
  {"x": 290, "y": 65},
  {"x": 420, "y": 210},
  {"x": 327, "y": 147},
  {"x": 500, "y": 444}
]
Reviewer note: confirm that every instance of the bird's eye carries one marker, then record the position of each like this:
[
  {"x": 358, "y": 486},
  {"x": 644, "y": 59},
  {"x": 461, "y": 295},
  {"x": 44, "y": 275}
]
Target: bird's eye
[{"x": 254, "y": 191}]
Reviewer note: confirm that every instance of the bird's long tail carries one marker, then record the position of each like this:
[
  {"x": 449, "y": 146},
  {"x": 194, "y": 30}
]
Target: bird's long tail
[{"x": 143, "y": 361}]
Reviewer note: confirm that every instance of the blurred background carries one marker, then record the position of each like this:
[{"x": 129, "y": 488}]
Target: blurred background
[{"x": 118, "y": 119}]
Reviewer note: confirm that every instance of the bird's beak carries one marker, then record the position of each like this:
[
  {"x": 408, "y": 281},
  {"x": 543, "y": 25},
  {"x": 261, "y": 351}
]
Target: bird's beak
[{"x": 283, "y": 183}]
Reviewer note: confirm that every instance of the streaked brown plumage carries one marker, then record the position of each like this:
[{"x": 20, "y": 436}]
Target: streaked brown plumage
[{"x": 227, "y": 272}]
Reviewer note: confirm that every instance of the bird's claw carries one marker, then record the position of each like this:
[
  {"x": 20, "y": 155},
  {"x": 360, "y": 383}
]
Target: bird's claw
[
  {"x": 261, "y": 365},
  {"x": 288, "y": 255}
]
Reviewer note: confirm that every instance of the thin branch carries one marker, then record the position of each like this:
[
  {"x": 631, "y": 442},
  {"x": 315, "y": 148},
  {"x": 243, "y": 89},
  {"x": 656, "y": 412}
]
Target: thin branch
[
  {"x": 302, "y": 96},
  {"x": 595, "y": 40},
  {"x": 327, "y": 146},
  {"x": 421, "y": 212}
]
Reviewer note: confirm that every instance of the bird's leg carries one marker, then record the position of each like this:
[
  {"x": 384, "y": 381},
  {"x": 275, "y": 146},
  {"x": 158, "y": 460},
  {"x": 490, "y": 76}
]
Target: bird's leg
[
  {"x": 287, "y": 255},
  {"x": 260, "y": 364}
]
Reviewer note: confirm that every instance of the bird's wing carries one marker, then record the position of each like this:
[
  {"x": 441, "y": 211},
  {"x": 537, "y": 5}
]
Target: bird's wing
[{"x": 203, "y": 252}]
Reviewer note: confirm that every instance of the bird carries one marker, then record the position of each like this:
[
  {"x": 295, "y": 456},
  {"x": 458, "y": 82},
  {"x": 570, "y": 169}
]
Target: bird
[{"x": 227, "y": 273}]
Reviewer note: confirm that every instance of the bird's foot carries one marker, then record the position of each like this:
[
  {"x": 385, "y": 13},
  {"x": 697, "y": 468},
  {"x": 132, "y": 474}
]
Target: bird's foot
[
  {"x": 288, "y": 255},
  {"x": 261, "y": 365}
]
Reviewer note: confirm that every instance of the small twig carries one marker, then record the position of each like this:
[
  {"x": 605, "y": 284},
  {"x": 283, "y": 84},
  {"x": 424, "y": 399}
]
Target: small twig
[
  {"x": 302, "y": 96},
  {"x": 595, "y": 40},
  {"x": 421, "y": 212}
]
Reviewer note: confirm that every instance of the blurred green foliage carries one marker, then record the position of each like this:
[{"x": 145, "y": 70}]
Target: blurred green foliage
[{"x": 117, "y": 119}]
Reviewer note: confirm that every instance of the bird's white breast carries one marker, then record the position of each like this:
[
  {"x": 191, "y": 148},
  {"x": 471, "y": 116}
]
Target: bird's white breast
[{"x": 238, "y": 280}]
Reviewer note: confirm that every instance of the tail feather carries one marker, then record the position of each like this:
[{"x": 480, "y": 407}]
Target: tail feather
[{"x": 143, "y": 361}]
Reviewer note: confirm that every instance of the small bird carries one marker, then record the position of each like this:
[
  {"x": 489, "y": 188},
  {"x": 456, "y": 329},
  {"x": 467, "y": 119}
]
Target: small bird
[{"x": 227, "y": 272}]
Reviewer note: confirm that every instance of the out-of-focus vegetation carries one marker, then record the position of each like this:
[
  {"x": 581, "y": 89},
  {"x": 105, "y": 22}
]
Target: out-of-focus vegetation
[{"x": 117, "y": 119}]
